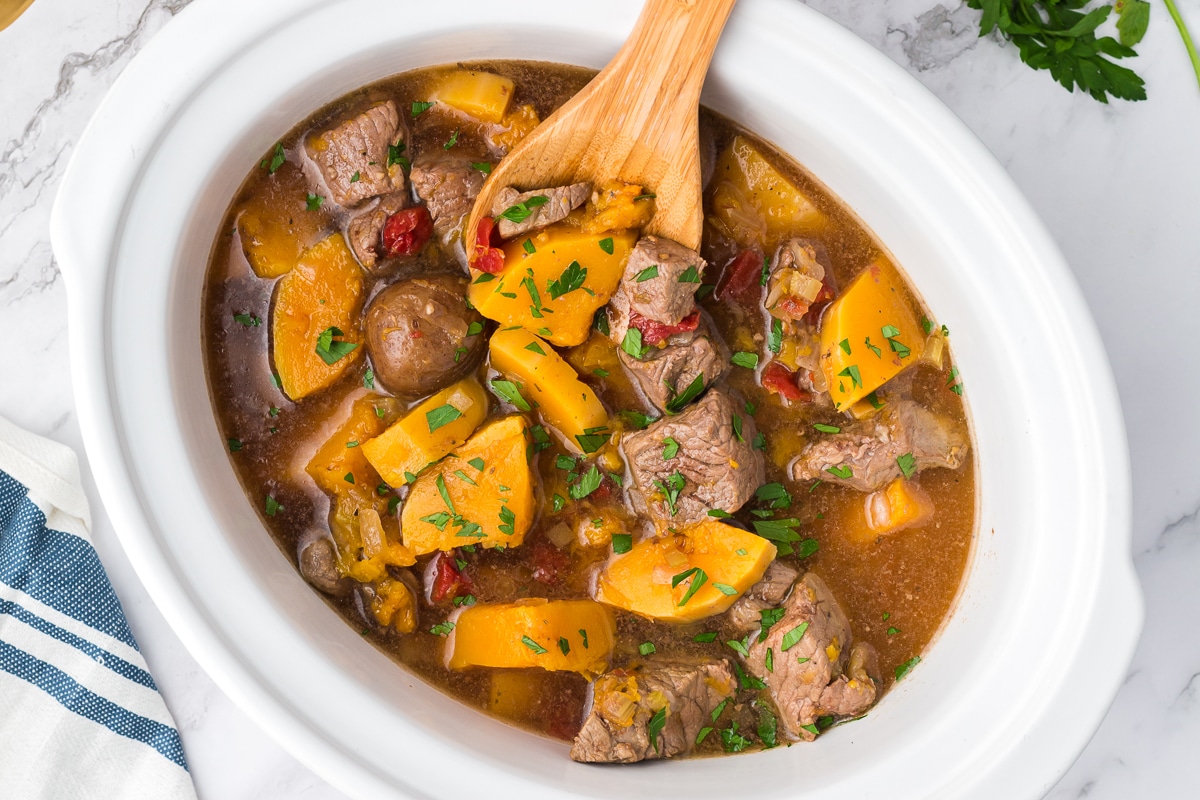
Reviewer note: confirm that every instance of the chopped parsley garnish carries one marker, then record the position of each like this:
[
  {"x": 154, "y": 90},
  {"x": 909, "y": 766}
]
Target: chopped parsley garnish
[
  {"x": 670, "y": 448},
  {"x": 705, "y": 638},
  {"x": 583, "y": 635},
  {"x": 732, "y": 741},
  {"x": 811, "y": 729},
  {"x": 453, "y": 140},
  {"x": 677, "y": 404},
  {"x": 698, "y": 576},
  {"x": 541, "y": 439},
  {"x": 853, "y": 374},
  {"x": 769, "y": 661},
  {"x": 622, "y": 543},
  {"x": 571, "y": 279},
  {"x": 632, "y": 344},
  {"x": 600, "y": 373},
  {"x": 234, "y": 445},
  {"x": 396, "y": 155},
  {"x": 314, "y": 201},
  {"x": 441, "y": 416},
  {"x": 484, "y": 277},
  {"x": 739, "y": 647},
  {"x": 485, "y": 168},
  {"x": 893, "y": 631},
  {"x": 773, "y": 495},
  {"x": 841, "y": 471},
  {"x": 507, "y": 520},
  {"x": 509, "y": 391},
  {"x": 475, "y": 328},
  {"x": 520, "y": 212},
  {"x": 419, "y": 108},
  {"x": 845, "y": 345},
  {"x": 725, "y": 589},
  {"x": 807, "y": 548},
  {"x": 273, "y": 412},
  {"x": 826, "y": 428},
  {"x": 767, "y": 726},
  {"x": 874, "y": 400},
  {"x": 719, "y": 513},
  {"x": 587, "y": 484},
  {"x": 559, "y": 502},
  {"x": 249, "y": 320},
  {"x": 793, "y": 637},
  {"x": 671, "y": 490},
  {"x": 907, "y": 667},
  {"x": 606, "y": 245},
  {"x": 477, "y": 463},
  {"x": 690, "y": 275},
  {"x": 275, "y": 381},
  {"x": 745, "y": 359},
  {"x": 646, "y": 648},
  {"x": 356, "y": 177},
  {"x": 927, "y": 325},
  {"x": 769, "y": 617},
  {"x": 592, "y": 439},
  {"x": 332, "y": 351},
  {"x": 703, "y": 734},
  {"x": 637, "y": 419},
  {"x": 599, "y": 320},
  {"x": 907, "y": 464},
  {"x": 528, "y": 247},
  {"x": 648, "y": 273},
  {"x": 534, "y": 347},
  {"x": 766, "y": 272},
  {"x": 657, "y": 723},
  {"x": 532, "y": 645},
  {"x": 760, "y": 441},
  {"x": 737, "y": 427},
  {"x": 564, "y": 645},
  {"x": 276, "y": 160},
  {"x": 775, "y": 339},
  {"x": 442, "y": 628},
  {"x": 464, "y": 600},
  {"x": 462, "y": 476},
  {"x": 564, "y": 462},
  {"x": 369, "y": 382},
  {"x": 647, "y": 196},
  {"x": 273, "y": 506}
]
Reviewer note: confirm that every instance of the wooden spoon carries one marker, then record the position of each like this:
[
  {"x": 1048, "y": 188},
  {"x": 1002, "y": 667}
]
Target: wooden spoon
[{"x": 638, "y": 121}]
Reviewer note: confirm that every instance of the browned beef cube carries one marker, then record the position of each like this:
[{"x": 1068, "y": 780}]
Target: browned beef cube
[
  {"x": 353, "y": 157},
  {"x": 651, "y": 285},
  {"x": 560, "y": 201},
  {"x": 714, "y": 466},
  {"x": 448, "y": 185},
  {"x": 364, "y": 231},
  {"x": 776, "y": 582},
  {"x": 667, "y": 372},
  {"x": 617, "y": 728},
  {"x": 868, "y": 454}
]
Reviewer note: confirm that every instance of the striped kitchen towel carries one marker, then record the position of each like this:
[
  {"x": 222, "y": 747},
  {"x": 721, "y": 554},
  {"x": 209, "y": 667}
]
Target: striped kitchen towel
[{"x": 80, "y": 716}]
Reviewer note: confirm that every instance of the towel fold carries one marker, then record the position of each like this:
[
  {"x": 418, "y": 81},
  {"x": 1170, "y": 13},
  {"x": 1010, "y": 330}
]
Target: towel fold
[{"x": 80, "y": 715}]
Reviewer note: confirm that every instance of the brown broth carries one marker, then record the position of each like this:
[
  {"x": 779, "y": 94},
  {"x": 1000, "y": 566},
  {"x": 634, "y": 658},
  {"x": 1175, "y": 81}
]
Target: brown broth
[{"x": 906, "y": 582}]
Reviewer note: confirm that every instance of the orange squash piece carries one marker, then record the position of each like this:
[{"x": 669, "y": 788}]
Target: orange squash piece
[
  {"x": 532, "y": 633},
  {"x": 482, "y": 495},
  {"x": 899, "y": 505},
  {"x": 324, "y": 290}
]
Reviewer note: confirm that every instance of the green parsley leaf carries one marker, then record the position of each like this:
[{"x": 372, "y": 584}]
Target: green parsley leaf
[
  {"x": 453, "y": 140},
  {"x": 719, "y": 513},
  {"x": 737, "y": 427},
  {"x": 769, "y": 661},
  {"x": 874, "y": 400},
  {"x": 356, "y": 177},
  {"x": 878, "y": 353},
  {"x": 907, "y": 464},
  {"x": 657, "y": 723},
  {"x": 760, "y": 441},
  {"x": 521, "y": 211},
  {"x": 528, "y": 247},
  {"x": 793, "y": 637},
  {"x": 477, "y": 463},
  {"x": 907, "y": 667},
  {"x": 892, "y": 631},
  {"x": 853, "y": 374},
  {"x": 314, "y": 201},
  {"x": 600, "y": 320},
  {"x": 690, "y": 275},
  {"x": 646, "y": 196},
  {"x": 589, "y": 483},
  {"x": 703, "y": 734},
  {"x": 534, "y": 347},
  {"x": 278, "y": 156},
  {"x": 395, "y": 155},
  {"x": 462, "y": 476},
  {"x": 677, "y": 404},
  {"x": 811, "y": 729},
  {"x": 778, "y": 530},
  {"x": 272, "y": 506},
  {"x": 484, "y": 277},
  {"x": 606, "y": 245},
  {"x": 419, "y": 108},
  {"x": 647, "y": 648},
  {"x": 564, "y": 645},
  {"x": 732, "y": 741},
  {"x": 508, "y": 519},
  {"x": 622, "y": 543},
  {"x": 807, "y": 548},
  {"x": 600, "y": 373},
  {"x": 725, "y": 589},
  {"x": 571, "y": 279},
  {"x": 648, "y": 273},
  {"x": 369, "y": 380},
  {"x": 705, "y": 638},
  {"x": 670, "y": 448},
  {"x": 632, "y": 344},
  {"x": 826, "y": 428},
  {"x": 485, "y": 168},
  {"x": 532, "y": 645},
  {"x": 739, "y": 647},
  {"x": 441, "y": 416},
  {"x": 775, "y": 339},
  {"x": 698, "y": 576},
  {"x": 927, "y": 325},
  {"x": 841, "y": 471},
  {"x": 509, "y": 391},
  {"x": 769, "y": 617},
  {"x": 234, "y": 445},
  {"x": 845, "y": 345},
  {"x": 671, "y": 490},
  {"x": 442, "y": 628},
  {"x": 559, "y": 502},
  {"x": 592, "y": 439},
  {"x": 745, "y": 359},
  {"x": 637, "y": 419},
  {"x": 583, "y": 635},
  {"x": 767, "y": 726},
  {"x": 332, "y": 351},
  {"x": 249, "y": 320}
]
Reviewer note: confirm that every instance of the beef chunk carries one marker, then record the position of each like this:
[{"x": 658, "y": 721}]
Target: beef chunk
[
  {"x": 871, "y": 450},
  {"x": 617, "y": 728},
  {"x": 769, "y": 592},
  {"x": 560, "y": 201},
  {"x": 363, "y": 232},
  {"x": 318, "y": 565},
  {"x": 353, "y": 157},
  {"x": 659, "y": 296},
  {"x": 823, "y": 673},
  {"x": 713, "y": 467},
  {"x": 666, "y": 372},
  {"x": 448, "y": 186}
]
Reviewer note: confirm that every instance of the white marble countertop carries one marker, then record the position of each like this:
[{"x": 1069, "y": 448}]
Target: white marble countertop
[{"x": 1118, "y": 186}]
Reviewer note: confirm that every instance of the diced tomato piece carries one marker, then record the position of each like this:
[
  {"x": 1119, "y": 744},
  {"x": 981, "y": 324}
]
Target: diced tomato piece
[
  {"x": 407, "y": 231},
  {"x": 486, "y": 255},
  {"x": 782, "y": 381},
  {"x": 548, "y": 562},
  {"x": 654, "y": 332},
  {"x": 739, "y": 275},
  {"x": 448, "y": 581}
]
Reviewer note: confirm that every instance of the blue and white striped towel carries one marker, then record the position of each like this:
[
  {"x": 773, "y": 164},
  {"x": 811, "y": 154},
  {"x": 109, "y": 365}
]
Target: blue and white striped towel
[{"x": 80, "y": 716}]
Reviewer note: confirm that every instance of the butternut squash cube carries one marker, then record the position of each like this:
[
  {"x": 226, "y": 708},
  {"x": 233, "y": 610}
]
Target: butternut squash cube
[
  {"x": 869, "y": 335},
  {"x": 564, "y": 635},
  {"x": 483, "y": 495},
  {"x": 482, "y": 95},
  {"x": 754, "y": 204},
  {"x": 555, "y": 290},
  {"x": 548, "y": 381},
  {"x": 343, "y": 454},
  {"x": 899, "y": 505},
  {"x": 422, "y": 436},
  {"x": 275, "y": 225},
  {"x": 710, "y": 563},
  {"x": 324, "y": 290}
]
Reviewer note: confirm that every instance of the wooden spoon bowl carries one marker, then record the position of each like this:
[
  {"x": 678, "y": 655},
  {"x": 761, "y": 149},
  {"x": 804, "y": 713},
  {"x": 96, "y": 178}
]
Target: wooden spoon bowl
[{"x": 638, "y": 121}]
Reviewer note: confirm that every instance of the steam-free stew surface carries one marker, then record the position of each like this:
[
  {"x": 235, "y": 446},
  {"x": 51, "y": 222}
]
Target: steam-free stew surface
[{"x": 896, "y": 589}]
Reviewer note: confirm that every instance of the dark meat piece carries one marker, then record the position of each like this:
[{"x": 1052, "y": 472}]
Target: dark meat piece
[
  {"x": 666, "y": 372},
  {"x": 769, "y": 592},
  {"x": 560, "y": 201},
  {"x": 871, "y": 450},
  {"x": 713, "y": 467},
  {"x": 353, "y": 157},
  {"x": 363, "y": 232},
  {"x": 659, "y": 295},
  {"x": 823, "y": 672},
  {"x": 448, "y": 186},
  {"x": 417, "y": 335},
  {"x": 318, "y": 565},
  {"x": 617, "y": 728}
]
